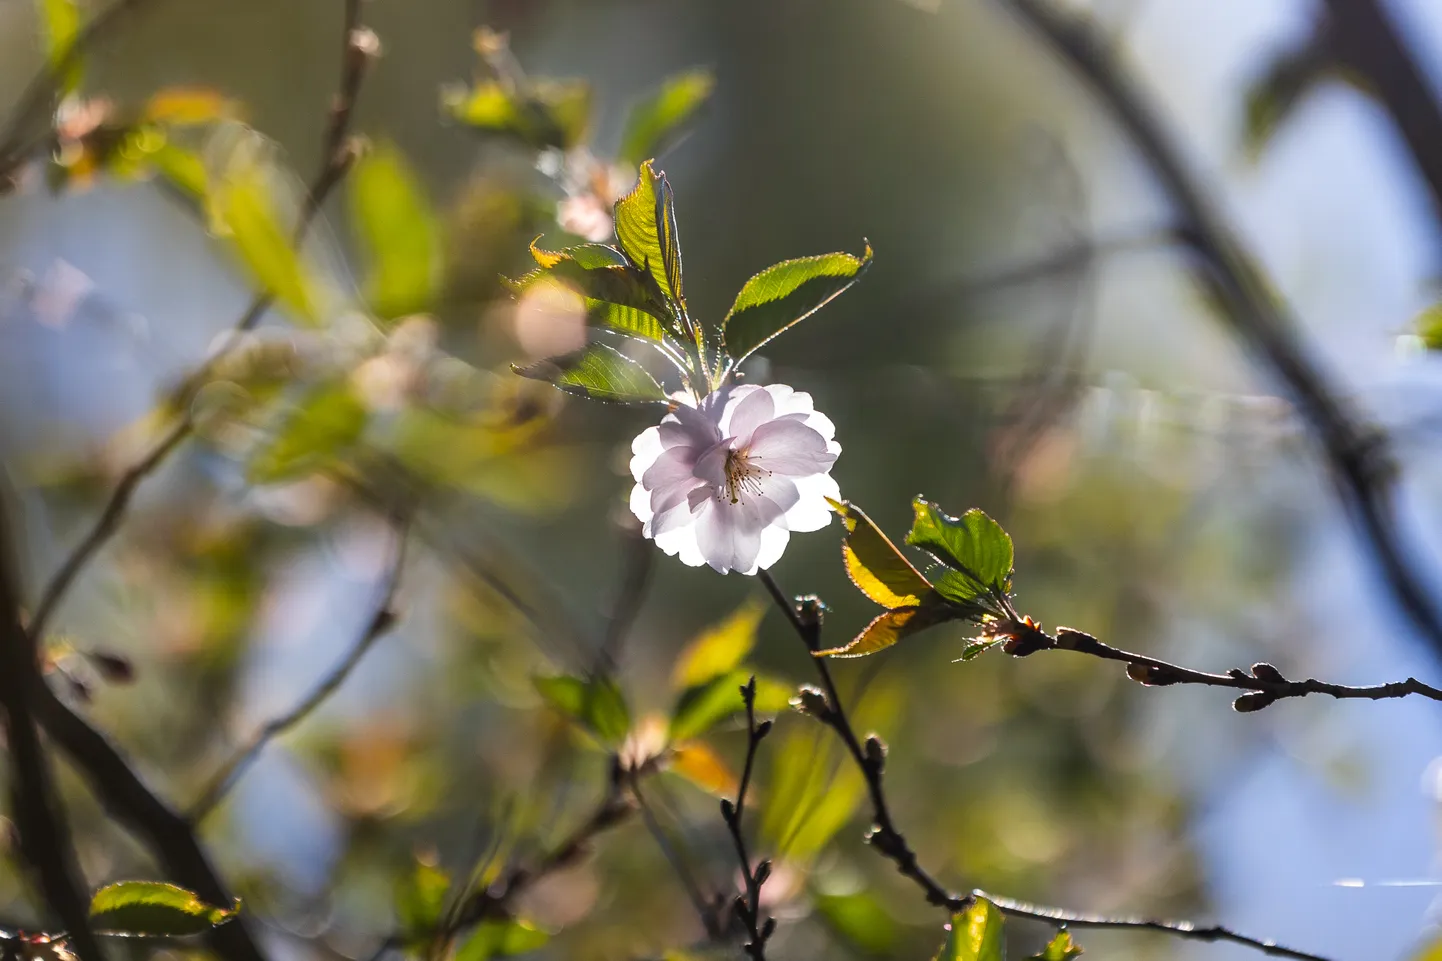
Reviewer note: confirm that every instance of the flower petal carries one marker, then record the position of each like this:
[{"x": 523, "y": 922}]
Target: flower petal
[
  {"x": 645, "y": 449},
  {"x": 773, "y": 545},
  {"x": 729, "y": 536},
  {"x": 743, "y": 416},
  {"x": 790, "y": 447},
  {"x": 810, "y": 512},
  {"x": 674, "y": 466}
]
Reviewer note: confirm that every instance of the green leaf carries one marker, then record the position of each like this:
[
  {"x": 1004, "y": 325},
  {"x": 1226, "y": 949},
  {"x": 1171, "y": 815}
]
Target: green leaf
[
  {"x": 720, "y": 647},
  {"x": 1059, "y": 948},
  {"x": 702, "y": 707},
  {"x": 1429, "y": 326},
  {"x": 420, "y": 899},
  {"x": 617, "y": 297},
  {"x": 973, "y": 545},
  {"x": 398, "y": 231},
  {"x": 60, "y": 21},
  {"x": 861, "y": 921},
  {"x": 875, "y": 566},
  {"x": 599, "y": 372},
  {"x": 978, "y": 646},
  {"x": 499, "y": 939},
  {"x": 326, "y": 421},
  {"x": 646, "y": 232},
  {"x": 155, "y": 909},
  {"x": 597, "y": 705},
  {"x": 182, "y": 168},
  {"x": 890, "y": 627},
  {"x": 552, "y": 113},
  {"x": 785, "y": 294},
  {"x": 245, "y": 209},
  {"x": 976, "y": 934},
  {"x": 812, "y": 794},
  {"x": 654, "y": 122}
]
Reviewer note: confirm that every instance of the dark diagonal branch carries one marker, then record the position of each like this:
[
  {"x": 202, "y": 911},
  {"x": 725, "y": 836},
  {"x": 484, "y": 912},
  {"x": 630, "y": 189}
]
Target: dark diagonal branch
[
  {"x": 361, "y": 47},
  {"x": 381, "y": 621},
  {"x": 870, "y": 758},
  {"x": 747, "y": 906},
  {"x": 35, "y": 806},
  {"x": 1356, "y": 452}
]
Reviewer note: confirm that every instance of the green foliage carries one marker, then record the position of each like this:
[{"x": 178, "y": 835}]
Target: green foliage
[
  {"x": 654, "y": 122},
  {"x": 60, "y": 24},
  {"x": 599, "y": 372},
  {"x": 875, "y": 566},
  {"x": 1059, "y": 948},
  {"x": 974, "y": 547},
  {"x": 155, "y": 909},
  {"x": 398, "y": 231},
  {"x": 1429, "y": 326},
  {"x": 703, "y": 706},
  {"x": 420, "y": 900},
  {"x": 861, "y": 921},
  {"x": 646, "y": 232},
  {"x": 977, "y": 934},
  {"x": 616, "y": 296},
  {"x": 547, "y": 113},
  {"x": 326, "y": 422},
  {"x": 812, "y": 793},
  {"x": 499, "y": 939},
  {"x": 597, "y": 705},
  {"x": 719, "y": 648},
  {"x": 785, "y": 294}
]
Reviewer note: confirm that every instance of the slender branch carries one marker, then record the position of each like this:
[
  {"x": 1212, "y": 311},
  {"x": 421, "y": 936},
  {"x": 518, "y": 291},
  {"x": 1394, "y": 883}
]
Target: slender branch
[
  {"x": 825, "y": 705},
  {"x": 684, "y": 874},
  {"x": 1357, "y": 452},
  {"x": 361, "y": 48},
  {"x": 35, "y": 805},
  {"x": 381, "y": 621},
  {"x": 38, "y": 98},
  {"x": 748, "y": 904}
]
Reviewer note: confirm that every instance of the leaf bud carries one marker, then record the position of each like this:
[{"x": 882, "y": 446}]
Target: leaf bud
[
  {"x": 728, "y": 810},
  {"x": 768, "y": 929},
  {"x": 763, "y": 729},
  {"x": 810, "y": 700},
  {"x": 763, "y": 871},
  {"x": 1252, "y": 701},
  {"x": 115, "y": 668},
  {"x": 1266, "y": 672},
  {"x": 875, "y": 751}
]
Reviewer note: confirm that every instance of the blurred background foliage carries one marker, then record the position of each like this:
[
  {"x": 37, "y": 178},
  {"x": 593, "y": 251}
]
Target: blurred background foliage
[{"x": 1159, "y": 495}]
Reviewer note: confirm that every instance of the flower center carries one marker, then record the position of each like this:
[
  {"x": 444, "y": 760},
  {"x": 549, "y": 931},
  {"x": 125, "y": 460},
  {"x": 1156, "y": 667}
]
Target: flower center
[{"x": 742, "y": 476}]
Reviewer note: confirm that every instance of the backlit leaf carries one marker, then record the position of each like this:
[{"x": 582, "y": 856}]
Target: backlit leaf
[
  {"x": 973, "y": 545},
  {"x": 860, "y": 920},
  {"x": 705, "y": 705},
  {"x": 325, "y": 422},
  {"x": 551, "y": 113},
  {"x": 875, "y": 566},
  {"x": 398, "y": 231},
  {"x": 703, "y": 767},
  {"x": 784, "y": 294},
  {"x": 597, "y": 705},
  {"x": 1059, "y": 948},
  {"x": 420, "y": 899},
  {"x": 720, "y": 647},
  {"x": 153, "y": 908},
  {"x": 187, "y": 106},
  {"x": 499, "y": 938},
  {"x": 60, "y": 22},
  {"x": 812, "y": 793},
  {"x": 600, "y": 373},
  {"x": 890, "y": 627},
  {"x": 1429, "y": 326},
  {"x": 646, "y": 231},
  {"x": 976, "y": 934},
  {"x": 617, "y": 297},
  {"x": 654, "y": 122}
]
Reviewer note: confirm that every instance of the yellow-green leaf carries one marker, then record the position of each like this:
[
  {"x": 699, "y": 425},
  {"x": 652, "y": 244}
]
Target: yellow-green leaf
[
  {"x": 598, "y": 372},
  {"x": 888, "y": 628},
  {"x": 977, "y": 934},
  {"x": 154, "y": 909},
  {"x": 705, "y": 705},
  {"x": 874, "y": 564},
  {"x": 420, "y": 897},
  {"x": 654, "y": 122},
  {"x": 973, "y": 545},
  {"x": 1059, "y": 948},
  {"x": 398, "y": 231},
  {"x": 785, "y": 294},
  {"x": 60, "y": 23},
  {"x": 646, "y": 231},
  {"x": 698, "y": 763},
  {"x": 720, "y": 647},
  {"x": 597, "y": 705},
  {"x": 499, "y": 938},
  {"x": 323, "y": 424}
]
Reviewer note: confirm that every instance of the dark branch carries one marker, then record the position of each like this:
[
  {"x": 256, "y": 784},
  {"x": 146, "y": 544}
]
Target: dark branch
[
  {"x": 380, "y": 622},
  {"x": 361, "y": 48},
  {"x": 35, "y": 805},
  {"x": 748, "y": 904},
  {"x": 805, "y": 617},
  {"x": 1356, "y": 452}
]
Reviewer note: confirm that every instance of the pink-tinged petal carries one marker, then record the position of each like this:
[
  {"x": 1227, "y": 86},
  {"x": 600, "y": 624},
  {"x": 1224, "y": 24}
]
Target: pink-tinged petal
[
  {"x": 777, "y": 494},
  {"x": 811, "y": 512},
  {"x": 822, "y": 424},
  {"x": 711, "y": 466},
  {"x": 744, "y": 416},
  {"x": 673, "y": 505},
  {"x": 688, "y": 427},
  {"x": 728, "y": 538},
  {"x": 680, "y": 542},
  {"x": 645, "y": 449},
  {"x": 773, "y": 545},
  {"x": 788, "y": 447},
  {"x": 641, "y": 505},
  {"x": 674, "y": 466}
]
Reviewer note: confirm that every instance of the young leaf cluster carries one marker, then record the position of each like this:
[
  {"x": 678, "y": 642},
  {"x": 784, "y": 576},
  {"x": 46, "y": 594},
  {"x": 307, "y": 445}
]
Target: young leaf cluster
[{"x": 634, "y": 292}]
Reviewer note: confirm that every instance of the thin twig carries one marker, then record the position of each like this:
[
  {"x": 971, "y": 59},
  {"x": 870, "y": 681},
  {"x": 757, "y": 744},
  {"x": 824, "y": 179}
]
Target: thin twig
[
  {"x": 747, "y": 905},
  {"x": 684, "y": 874},
  {"x": 826, "y": 706},
  {"x": 39, "y": 817},
  {"x": 1356, "y": 451},
  {"x": 381, "y": 621},
  {"x": 361, "y": 48}
]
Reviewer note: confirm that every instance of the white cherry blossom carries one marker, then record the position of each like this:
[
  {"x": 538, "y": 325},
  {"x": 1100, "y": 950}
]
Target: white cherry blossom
[{"x": 726, "y": 482}]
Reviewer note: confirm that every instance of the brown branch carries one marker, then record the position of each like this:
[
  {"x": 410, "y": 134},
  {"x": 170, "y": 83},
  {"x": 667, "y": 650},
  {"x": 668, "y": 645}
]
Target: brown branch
[
  {"x": 825, "y": 705},
  {"x": 747, "y": 905},
  {"x": 380, "y": 623},
  {"x": 361, "y": 48},
  {"x": 1356, "y": 452},
  {"x": 35, "y": 805}
]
